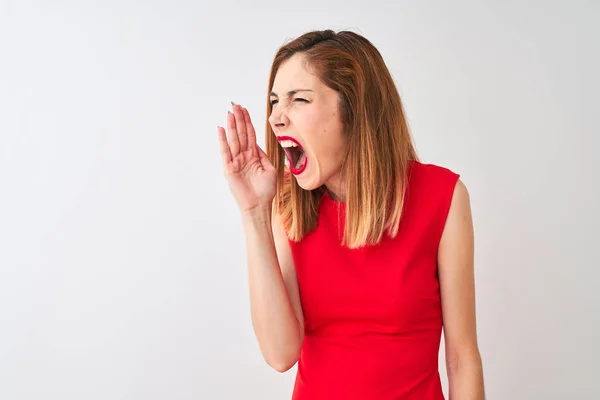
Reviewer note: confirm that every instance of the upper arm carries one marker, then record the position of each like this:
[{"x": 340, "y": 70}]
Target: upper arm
[
  {"x": 288, "y": 268},
  {"x": 457, "y": 283}
]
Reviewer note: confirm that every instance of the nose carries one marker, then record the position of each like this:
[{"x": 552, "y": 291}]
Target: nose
[{"x": 278, "y": 118}]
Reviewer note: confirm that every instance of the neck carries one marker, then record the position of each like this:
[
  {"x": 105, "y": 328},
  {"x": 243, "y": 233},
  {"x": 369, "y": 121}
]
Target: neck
[
  {"x": 336, "y": 187},
  {"x": 336, "y": 195}
]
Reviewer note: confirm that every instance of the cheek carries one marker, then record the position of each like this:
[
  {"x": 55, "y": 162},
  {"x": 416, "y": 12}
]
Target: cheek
[
  {"x": 323, "y": 134},
  {"x": 332, "y": 135},
  {"x": 309, "y": 123},
  {"x": 311, "y": 130}
]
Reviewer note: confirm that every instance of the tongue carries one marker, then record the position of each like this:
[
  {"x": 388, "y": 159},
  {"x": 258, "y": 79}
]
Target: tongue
[{"x": 300, "y": 161}]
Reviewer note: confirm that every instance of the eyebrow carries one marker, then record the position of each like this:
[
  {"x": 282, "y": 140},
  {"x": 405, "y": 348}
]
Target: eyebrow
[{"x": 292, "y": 92}]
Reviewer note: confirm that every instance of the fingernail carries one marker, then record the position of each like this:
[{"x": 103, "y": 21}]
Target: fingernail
[
  {"x": 232, "y": 103},
  {"x": 229, "y": 112}
]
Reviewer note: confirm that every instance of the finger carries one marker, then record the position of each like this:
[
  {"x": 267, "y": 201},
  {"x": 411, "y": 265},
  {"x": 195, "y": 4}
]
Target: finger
[
  {"x": 224, "y": 146},
  {"x": 240, "y": 126},
  {"x": 249, "y": 129},
  {"x": 234, "y": 142}
]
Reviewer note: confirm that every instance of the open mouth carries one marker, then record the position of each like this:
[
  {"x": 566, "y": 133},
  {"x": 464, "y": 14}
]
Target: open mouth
[{"x": 296, "y": 157}]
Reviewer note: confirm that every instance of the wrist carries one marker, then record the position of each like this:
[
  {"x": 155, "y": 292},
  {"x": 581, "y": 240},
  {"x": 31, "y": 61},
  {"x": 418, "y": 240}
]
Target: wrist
[{"x": 260, "y": 213}]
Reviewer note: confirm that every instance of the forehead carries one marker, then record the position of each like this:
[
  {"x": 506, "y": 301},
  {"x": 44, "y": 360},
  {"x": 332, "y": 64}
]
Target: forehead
[{"x": 294, "y": 73}]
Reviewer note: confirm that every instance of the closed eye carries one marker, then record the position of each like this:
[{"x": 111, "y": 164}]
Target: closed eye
[{"x": 299, "y": 99}]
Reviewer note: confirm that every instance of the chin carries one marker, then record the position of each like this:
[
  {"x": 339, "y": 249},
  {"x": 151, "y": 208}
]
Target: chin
[
  {"x": 307, "y": 186},
  {"x": 307, "y": 182}
]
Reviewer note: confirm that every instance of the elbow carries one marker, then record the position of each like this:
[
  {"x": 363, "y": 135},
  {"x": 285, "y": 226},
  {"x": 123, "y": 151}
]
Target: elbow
[
  {"x": 282, "y": 365},
  {"x": 284, "y": 352},
  {"x": 283, "y": 362}
]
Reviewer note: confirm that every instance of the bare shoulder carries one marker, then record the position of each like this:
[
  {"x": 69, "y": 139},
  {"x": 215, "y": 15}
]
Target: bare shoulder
[
  {"x": 461, "y": 201},
  {"x": 458, "y": 229}
]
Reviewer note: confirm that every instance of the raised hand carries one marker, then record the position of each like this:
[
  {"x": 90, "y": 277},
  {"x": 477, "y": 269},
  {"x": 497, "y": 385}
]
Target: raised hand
[{"x": 249, "y": 173}]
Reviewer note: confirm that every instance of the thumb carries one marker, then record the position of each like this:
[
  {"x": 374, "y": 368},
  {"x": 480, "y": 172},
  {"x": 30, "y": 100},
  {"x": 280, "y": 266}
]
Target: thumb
[{"x": 264, "y": 158}]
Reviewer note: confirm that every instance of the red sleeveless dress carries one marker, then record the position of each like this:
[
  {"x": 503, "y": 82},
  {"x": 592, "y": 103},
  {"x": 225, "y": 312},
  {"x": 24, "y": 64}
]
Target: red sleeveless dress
[{"x": 373, "y": 317}]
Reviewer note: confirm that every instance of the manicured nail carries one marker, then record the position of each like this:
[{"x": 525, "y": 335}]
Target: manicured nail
[
  {"x": 232, "y": 103},
  {"x": 229, "y": 112}
]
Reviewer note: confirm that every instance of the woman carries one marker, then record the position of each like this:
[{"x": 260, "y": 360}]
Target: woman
[{"x": 356, "y": 251}]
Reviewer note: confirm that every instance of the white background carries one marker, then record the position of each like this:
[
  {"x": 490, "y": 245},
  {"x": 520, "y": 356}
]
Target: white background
[{"x": 122, "y": 261}]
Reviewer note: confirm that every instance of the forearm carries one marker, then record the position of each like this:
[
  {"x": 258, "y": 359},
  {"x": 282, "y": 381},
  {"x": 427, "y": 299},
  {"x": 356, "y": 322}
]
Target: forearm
[
  {"x": 465, "y": 379},
  {"x": 276, "y": 327}
]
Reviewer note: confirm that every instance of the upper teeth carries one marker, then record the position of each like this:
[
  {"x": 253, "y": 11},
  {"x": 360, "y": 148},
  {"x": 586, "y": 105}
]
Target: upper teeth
[{"x": 288, "y": 143}]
